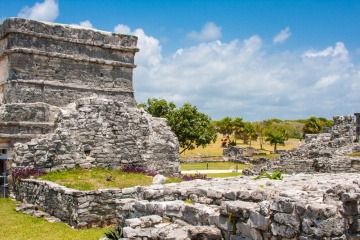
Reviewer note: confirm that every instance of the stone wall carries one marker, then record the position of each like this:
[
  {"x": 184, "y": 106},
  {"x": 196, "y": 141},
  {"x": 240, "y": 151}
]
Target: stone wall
[
  {"x": 58, "y": 64},
  {"x": 55, "y": 64},
  {"x": 326, "y": 152},
  {"x": 317, "y": 206},
  {"x": 94, "y": 132}
]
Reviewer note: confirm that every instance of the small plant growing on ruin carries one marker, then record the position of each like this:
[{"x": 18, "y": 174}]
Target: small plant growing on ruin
[
  {"x": 189, "y": 201},
  {"x": 276, "y": 175},
  {"x": 261, "y": 186},
  {"x": 25, "y": 172},
  {"x": 109, "y": 178},
  {"x": 233, "y": 221},
  {"x": 114, "y": 234}
]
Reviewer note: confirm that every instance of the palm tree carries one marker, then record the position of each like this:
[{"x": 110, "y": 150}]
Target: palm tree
[{"x": 275, "y": 138}]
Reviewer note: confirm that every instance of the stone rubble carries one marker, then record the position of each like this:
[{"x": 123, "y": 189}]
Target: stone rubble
[
  {"x": 302, "y": 206},
  {"x": 93, "y": 132},
  {"x": 326, "y": 152}
]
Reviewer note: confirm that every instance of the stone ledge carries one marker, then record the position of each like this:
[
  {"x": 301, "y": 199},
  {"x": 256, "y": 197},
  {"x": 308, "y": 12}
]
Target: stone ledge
[
  {"x": 63, "y": 32},
  {"x": 66, "y": 56},
  {"x": 54, "y": 84}
]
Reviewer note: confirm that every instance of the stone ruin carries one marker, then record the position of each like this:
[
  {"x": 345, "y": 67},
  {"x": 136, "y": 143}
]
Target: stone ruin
[
  {"x": 326, "y": 152},
  {"x": 67, "y": 100}
]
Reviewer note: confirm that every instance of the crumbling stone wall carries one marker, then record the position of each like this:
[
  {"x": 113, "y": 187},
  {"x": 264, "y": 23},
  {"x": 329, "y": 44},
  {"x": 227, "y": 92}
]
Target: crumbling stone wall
[
  {"x": 94, "y": 132},
  {"x": 237, "y": 154},
  {"x": 302, "y": 206},
  {"x": 326, "y": 152}
]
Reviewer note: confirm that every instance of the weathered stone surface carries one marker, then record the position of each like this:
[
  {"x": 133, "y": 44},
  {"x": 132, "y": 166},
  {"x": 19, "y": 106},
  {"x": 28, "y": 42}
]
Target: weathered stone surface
[
  {"x": 45, "y": 65},
  {"x": 309, "y": 215},
  {"x": 97, "y": 132},
  {"x": 159, "y": 179},
  {"x": 326, "y": 152}
]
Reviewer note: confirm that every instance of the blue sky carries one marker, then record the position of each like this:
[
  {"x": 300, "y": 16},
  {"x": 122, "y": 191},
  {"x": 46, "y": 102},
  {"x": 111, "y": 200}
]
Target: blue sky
[{"x": 253, "y": 59}]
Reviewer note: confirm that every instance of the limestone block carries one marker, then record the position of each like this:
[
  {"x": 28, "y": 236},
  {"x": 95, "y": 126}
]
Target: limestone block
[
  {"x": 283, "y": 230},
  {"x": 246, "y": 230},
  {"x": 239, "y": 208},
  {"x": 204, "y": 233},
  {"x": 323, "y": 228},
  {"x": 320, "y": 211},
  {"x": 259, "y": 221},
  {"x": 159, "y": 179},
  {"x": 287, "y": 219},
  {"x": 282, "y": 205}
]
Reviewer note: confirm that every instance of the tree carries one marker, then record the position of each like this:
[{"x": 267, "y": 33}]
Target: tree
[
  {"x": 259, "y": 128},
  {"x": 238, "y": 126},
  {"x": 158, "y": 107},
  {"x": 248, "y": 134},
  {"x": 225, "y": 126},
  {"x": 275, "y": 138},
  {"x": 192, "y": 127},
  {"x": 312, "y": 125}
]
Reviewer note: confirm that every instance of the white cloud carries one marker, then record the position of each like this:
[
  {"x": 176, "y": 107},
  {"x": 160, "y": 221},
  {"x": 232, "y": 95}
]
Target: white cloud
[
  {"x": 242, "y": 78},
  {"x": 282, "y": 36},
  {"x": 46, "y": 11},
  {"x": 84, "y": 24},
  {"x": 209, "y": 32},
  {"x": 339, "y": 52},
  {"x": 149, "y": 57}
]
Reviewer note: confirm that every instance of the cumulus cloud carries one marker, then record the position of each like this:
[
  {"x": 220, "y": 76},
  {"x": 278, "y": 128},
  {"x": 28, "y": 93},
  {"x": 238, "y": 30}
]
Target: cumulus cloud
[
  {"x": 149, "y": 57},
  {"x": 84, "y": 24},
  {"x": 339, "y": 52},
  {"x": 282, "y": 36},
  {"x": 209, "y": 32},
  {"x": 244, "y": 78},
  {"x": 45, "y": 11}
]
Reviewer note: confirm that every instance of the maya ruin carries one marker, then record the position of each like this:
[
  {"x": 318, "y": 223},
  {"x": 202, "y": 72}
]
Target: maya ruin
[{"x": 67, "y": 100}]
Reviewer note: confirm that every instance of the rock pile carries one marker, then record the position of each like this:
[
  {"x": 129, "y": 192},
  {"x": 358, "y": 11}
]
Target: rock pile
[
  {"x": 326, "y": 152},
  {"x": 95, "y": 132}
]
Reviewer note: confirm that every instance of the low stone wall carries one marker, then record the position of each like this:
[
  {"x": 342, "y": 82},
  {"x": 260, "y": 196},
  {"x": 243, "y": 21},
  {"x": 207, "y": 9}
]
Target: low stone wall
[
  {"x": 95, "y": 132},
  {"x": 303, "y": 206}
]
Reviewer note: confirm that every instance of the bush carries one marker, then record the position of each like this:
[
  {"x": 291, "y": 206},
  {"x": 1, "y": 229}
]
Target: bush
[
  {"x": 138, "y": 169},
  {"x": 25, "y": 172}
]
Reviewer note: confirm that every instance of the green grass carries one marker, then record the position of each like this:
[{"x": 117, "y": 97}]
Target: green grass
[
  {"x": 212, "y": 166},
  {"x": 355, "y": 154},
  {"x": 97, "y": 178},
  {"x": 223, "y": 175},
  {"x": 20, "y": 226},
  {"x": 268, "y": 156},
  {"x": 215, "y": 150}
]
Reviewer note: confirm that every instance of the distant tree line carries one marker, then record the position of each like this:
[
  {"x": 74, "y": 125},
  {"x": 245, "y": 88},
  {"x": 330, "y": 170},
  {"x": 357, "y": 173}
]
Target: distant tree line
[{"x": 195, "y": 129}]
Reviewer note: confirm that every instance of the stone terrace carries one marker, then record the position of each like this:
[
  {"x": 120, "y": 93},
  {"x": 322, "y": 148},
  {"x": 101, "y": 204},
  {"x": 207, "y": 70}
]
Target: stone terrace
[{"x": 303, "y": 206}]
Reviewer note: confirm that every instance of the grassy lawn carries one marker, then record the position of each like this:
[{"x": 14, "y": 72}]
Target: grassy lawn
[
  {"x": 96, "y": 178},
  {"x": 20, "y": 226},
  {"x": 215, "y": 150},
  {"x": 212, "y": 166}
]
